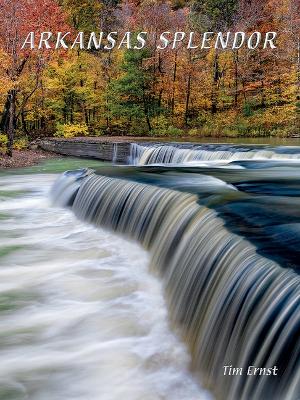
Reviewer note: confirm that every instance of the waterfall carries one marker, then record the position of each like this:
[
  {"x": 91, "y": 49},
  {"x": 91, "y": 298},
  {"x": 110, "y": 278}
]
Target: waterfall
[
  {"x": 67, "y": 185},
  {"x": 186, "y": 153},
  {"x": 115, "y": 153},
  {"x": 232, "y": 306}
]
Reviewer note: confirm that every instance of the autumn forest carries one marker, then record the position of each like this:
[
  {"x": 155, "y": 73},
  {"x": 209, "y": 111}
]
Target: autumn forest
[{"x": 174, "y": 92}]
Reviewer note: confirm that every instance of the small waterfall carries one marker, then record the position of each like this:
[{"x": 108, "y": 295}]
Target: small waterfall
[
  {"x": 233, "y": 307},
  {"x": 186, "y": 153},
  {"x": 115, "y": 153}
]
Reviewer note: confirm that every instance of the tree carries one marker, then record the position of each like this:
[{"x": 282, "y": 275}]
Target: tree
[
  {"x": 131, "y": 95},
  {"x": 17, "y": 19},
  {"x": 73, "y": 89},
  {"x": 214, "y": 15}
]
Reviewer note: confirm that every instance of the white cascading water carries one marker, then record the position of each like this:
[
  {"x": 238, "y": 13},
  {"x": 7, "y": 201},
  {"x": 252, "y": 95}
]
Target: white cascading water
[
  {"x": 81, "y": 317},
  {"x": 233, "y": 306},
  {"x": 181, "y": 154}
]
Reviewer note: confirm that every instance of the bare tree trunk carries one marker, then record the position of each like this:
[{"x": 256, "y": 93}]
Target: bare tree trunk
[
  {"x": 214, "y": 90},
  {"x": 174, "y": 83},
  {"x": 11, "y": 121},
  {"x": 244, "y": 91},
  {"x": 9, "y": 117},
  {"x": 236, "y": 78},
  {"x": 4, "y": 119},
  {"x": 160, "y": 97},
  {"x": 263, "y": 95},
  {"x": 24, "y": 125},
  {"x": 187, "y": 101},
  {"x": 146, "y": 112},
  {"x": 108, "y": 78},
  {"x": 298, "y": 70},
  {"x": 107, "y": 115},
  {"x": 298, "y": 86},
  {"x": 188, "y": 92}
]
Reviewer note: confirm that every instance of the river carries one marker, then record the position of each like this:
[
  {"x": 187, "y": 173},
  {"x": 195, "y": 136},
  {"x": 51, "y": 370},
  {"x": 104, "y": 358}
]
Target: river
[
  {"x": 81, "y": 316},
  {"x": 143, "y": 281}
]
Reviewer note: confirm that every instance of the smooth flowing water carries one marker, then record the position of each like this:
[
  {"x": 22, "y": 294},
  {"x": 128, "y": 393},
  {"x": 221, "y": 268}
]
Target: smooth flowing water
[
  {"x": 81, "y": 316},
  {"x": 221, "y": 225},
  {"x": 214, "y": 248},
  {"x": 188, "y": 153}
]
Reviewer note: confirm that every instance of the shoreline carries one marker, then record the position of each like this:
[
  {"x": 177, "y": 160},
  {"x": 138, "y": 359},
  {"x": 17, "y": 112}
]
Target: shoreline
[
  {"x": 25, "y": 158},
  {"x": 263, "y": 140},
  {"x": 90, "y": 147}
]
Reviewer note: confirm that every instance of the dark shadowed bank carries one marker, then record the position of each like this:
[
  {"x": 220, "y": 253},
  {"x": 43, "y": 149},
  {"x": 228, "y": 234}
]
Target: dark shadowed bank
[{"x": 24, "y": 158}]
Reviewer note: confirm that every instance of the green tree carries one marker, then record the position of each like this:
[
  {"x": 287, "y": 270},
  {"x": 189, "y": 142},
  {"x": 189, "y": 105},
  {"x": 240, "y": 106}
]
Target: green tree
[
  {"x": 131, "y": 95},
  {"x": 214, "y": 14}
]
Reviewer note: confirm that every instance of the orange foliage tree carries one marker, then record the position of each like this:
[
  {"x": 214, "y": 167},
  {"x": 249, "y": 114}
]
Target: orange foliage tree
[{"x": 17, "y": 19}]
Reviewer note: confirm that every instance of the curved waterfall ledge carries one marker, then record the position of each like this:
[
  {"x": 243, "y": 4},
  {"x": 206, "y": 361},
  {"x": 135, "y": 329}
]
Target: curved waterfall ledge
[
  {"x": 143, "y": 154},
  {"x": 233, "y": 307}
]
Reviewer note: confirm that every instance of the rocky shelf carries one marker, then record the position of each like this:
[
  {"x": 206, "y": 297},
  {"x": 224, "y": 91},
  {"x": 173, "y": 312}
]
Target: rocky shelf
[{"x": 116, "y": 149}]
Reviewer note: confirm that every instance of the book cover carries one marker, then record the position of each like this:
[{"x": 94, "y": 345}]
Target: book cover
[{"x": 149, "y": 200}]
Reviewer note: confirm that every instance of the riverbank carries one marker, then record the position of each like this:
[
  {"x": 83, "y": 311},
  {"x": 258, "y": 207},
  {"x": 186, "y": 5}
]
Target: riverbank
[
  {"x": 121, "y": 150},
  {"x": 117, "y": 149},
  {"x": 24, "y": 158},
  {"x": 270, "y": 140}
]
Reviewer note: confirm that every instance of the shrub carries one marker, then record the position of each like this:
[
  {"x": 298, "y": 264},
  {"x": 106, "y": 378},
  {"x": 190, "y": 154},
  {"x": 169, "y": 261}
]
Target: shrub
[
  {"x": 161, "y": 122},
  {"x": 3, "y": 143},
  {"x": 71, "y": 130},
  {"x": 247, "y": 110},
  {"x": 170, "y": 131},
  {"x": 173, "y": 131},
  {"x": 242, "y": 127},
  {"x": 194, "y": 132},
  {"x": 202, "y": 119},
  {"x": 203, "y": 132},
  {"x": 230, "y": 132},
  {"x": 98, "y": 132},
  {"x": 21, "y": 143},
  {"x": 161, "y": 127},
  {"x": 138, "y": 128}
]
